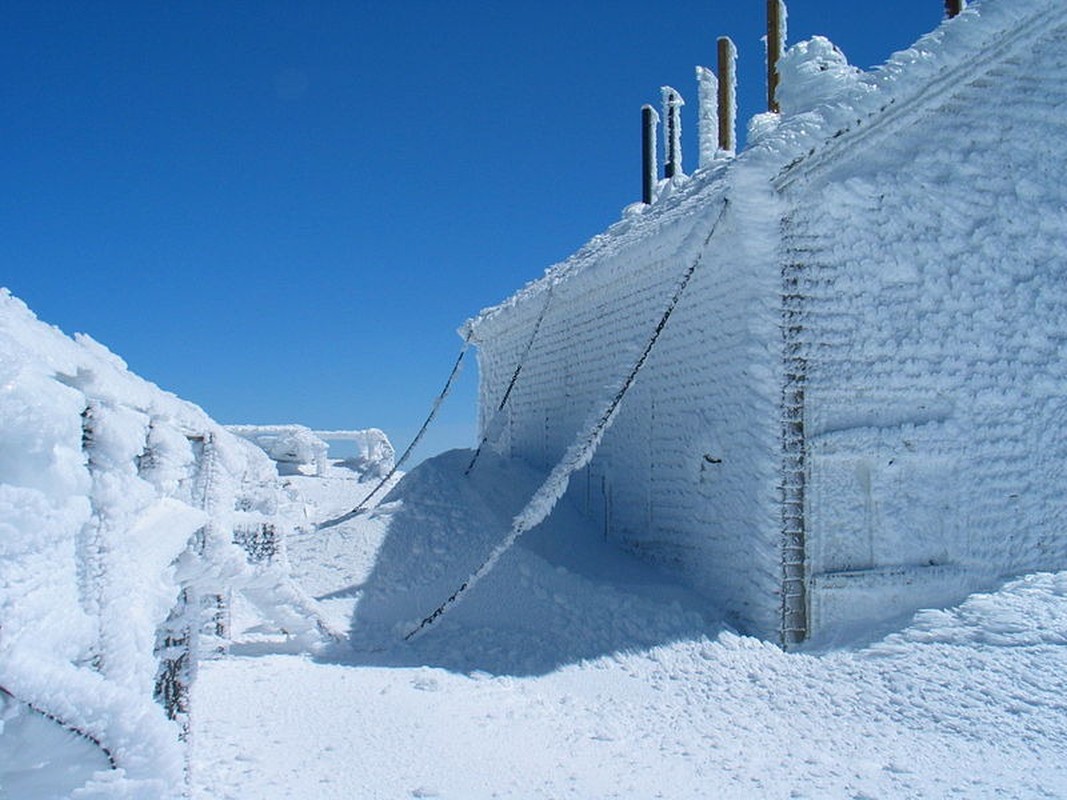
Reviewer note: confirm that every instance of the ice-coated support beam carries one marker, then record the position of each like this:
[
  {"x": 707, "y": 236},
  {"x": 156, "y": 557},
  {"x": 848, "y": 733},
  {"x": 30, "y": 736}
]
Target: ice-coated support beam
[
  {"x": 649, "y": 167},
  {"x": 727, "y": 94},
  {"x": 954, "y": 7},
  {"x": 672, "y": 134},
  {"x": 776, "y": 23}
]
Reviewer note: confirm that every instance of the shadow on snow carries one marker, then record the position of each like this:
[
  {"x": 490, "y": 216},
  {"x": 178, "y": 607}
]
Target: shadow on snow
[{"x": 561, "y": 595}]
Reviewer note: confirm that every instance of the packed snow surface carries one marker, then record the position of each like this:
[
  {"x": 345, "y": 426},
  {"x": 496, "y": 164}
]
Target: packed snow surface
[{"x": 575, "y": 671}]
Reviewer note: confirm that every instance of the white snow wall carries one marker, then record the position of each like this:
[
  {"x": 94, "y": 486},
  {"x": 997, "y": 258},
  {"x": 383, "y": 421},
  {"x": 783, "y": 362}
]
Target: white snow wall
[
  {"x": 119, "y": 506},
  {"x": 686, "y": 477},
  {"x": 929, "y": 253}
]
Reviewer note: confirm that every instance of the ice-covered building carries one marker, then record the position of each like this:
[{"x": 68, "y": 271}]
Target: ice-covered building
[{"x": 857, "y": 408}]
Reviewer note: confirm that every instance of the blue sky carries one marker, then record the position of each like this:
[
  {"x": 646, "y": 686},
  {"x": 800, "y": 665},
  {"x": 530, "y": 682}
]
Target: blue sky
[{"x": 283, "y": 211}]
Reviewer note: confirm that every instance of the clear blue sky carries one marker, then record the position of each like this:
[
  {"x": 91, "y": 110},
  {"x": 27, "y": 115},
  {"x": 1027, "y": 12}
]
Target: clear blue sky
[{"x": 282, "y": 211}]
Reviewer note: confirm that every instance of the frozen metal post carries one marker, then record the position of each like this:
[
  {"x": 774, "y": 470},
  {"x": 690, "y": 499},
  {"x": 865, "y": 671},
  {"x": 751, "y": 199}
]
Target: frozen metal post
[
  {"x": 672, "y": 134},
  {"x": 776, "y": 16},
  {"x": 649, "y": 122},
  {"x": 727, "y": 94}
]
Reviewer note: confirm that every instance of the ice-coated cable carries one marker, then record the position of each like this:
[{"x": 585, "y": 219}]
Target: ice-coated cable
[
  {"x": 68, "y": 727},
  {"x": 577, "y": 456},
  {"x": 511, "y": 384},
  {"x": 359, "y": 509}
]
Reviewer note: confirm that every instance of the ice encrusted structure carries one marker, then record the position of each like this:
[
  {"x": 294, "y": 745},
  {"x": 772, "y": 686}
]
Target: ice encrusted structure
[
  {"x": 123, "y": 511},
  {"x": 857, "y": 407},
  {"x": 672, "y": 130},
  {"x": 708, "y": 123},
  {"x": 293, "y": 446}
]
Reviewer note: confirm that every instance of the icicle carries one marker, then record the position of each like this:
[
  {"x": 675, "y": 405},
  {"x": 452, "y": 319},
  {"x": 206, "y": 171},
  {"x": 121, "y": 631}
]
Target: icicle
[{"x": 708, "y": 116}]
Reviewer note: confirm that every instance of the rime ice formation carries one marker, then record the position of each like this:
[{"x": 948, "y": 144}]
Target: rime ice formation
[
  {"x": 708, "y": 121},
  {"x": 123, "y": 512},
  {"x": 814, "y": 73},
  {"x": 292, "y": 447},
  {"x": 297, "y": 448},
  {"x": 857, "y": 408}
]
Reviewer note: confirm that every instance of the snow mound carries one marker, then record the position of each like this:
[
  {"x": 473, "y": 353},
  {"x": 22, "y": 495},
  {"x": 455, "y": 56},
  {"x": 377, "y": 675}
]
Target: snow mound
[
  {"x": 815, "y": 72},
  {"x": 559, "y": 596},
  {"x": 1024, "y": 613}
]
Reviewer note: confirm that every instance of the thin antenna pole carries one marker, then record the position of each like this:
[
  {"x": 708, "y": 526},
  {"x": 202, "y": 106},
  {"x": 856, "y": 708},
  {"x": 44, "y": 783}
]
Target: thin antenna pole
[
  {"x": 649, "y": 122},
  {"x": 776, "y": 16},
  {"x": 727, "y": 94}
]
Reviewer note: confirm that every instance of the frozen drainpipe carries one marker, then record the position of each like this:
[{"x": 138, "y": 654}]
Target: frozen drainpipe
[
  {"x": 776, "y": 25},
  {"x": 672, "y": 133},
  {"x": 954, "y": 7},
  {"x": 649, "y": 167},
  {"x": 727, "y": 95}
]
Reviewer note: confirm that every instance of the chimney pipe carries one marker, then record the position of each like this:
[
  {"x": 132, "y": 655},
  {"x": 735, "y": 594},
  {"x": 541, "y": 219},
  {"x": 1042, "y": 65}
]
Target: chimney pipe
[
  {"x": 776, "y": 21},
  {"x": 649, "y": 122},
  {"x": 727, "y": 94}
]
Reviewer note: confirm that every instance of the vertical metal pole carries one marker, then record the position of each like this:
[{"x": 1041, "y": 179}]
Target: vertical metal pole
[
  {"x": 672, "y": 109},
  {"x": 954, "y": 7},
  {"x": 727, "y": 94},
  {"x": 775, "y": 18},
  {"x": 707, "y": 115},
  {"x": 670, "y": 164},
  {"x": 649, "y": 120}
]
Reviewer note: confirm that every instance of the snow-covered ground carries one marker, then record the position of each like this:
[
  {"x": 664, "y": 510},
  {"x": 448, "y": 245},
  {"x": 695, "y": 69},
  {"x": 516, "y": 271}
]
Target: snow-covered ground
[{"x": 572, "y": 671}]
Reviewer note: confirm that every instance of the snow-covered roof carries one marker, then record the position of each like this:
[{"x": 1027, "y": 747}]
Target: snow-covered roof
[{"x": 828, "y": 109}]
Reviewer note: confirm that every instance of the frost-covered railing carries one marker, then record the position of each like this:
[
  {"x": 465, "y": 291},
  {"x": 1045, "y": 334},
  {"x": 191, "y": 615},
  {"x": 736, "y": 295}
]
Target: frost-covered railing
[
  {"x": 127, "y": 517},
  {"x": 376, "y": 456},
  {"x": 300, "y": 446},
  {"x": 293, "y": 445}
]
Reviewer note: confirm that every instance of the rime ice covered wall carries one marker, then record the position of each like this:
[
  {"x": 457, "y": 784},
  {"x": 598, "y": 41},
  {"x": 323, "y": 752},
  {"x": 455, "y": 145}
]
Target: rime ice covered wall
[
  {"x": 890, "y": 269},
  {"x": 931, "y": 254},
  {"x": 685, "y": 477}
]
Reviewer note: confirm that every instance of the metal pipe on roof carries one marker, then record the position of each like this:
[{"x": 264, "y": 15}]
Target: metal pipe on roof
[
  {"x": 776, "y": 16},
  {"x": 727, "y": 94},
  {"x": 649, "y": 120}
]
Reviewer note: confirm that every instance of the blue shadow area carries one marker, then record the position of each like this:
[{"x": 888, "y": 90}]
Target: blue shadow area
[{"x": 559, "y": 596}]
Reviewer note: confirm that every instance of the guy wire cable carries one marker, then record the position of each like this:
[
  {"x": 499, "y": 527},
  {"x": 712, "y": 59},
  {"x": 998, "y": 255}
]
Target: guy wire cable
[
  {"x": 577, "y": 456},
  {"x": 355, "y": 512}
]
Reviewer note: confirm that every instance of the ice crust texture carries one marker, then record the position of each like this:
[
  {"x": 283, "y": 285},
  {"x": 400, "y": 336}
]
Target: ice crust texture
[
  {"x": 888, "y": 280},
  {"x": 105, "y": 483}
]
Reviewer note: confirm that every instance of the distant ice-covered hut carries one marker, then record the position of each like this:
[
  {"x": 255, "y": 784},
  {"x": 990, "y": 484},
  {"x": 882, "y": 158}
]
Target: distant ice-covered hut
[{"x": 858, "y": 406}]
